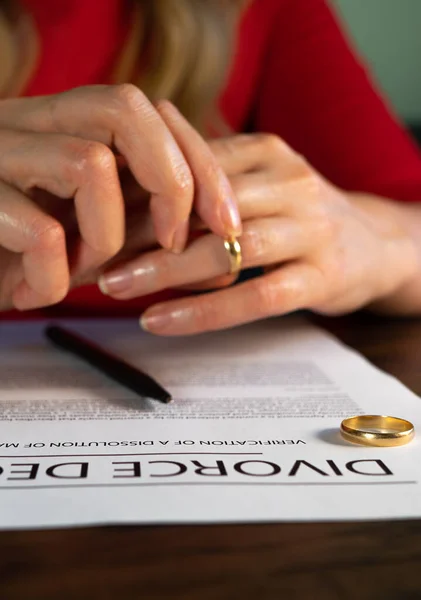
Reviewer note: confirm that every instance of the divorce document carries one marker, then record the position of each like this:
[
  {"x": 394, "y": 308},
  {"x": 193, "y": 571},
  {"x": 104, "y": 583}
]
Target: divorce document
[{"x": 252, "y": 434}]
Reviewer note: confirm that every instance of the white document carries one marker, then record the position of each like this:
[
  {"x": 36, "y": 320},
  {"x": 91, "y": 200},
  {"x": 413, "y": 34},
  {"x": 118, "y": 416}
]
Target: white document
[{"x": 251, "y": 436}]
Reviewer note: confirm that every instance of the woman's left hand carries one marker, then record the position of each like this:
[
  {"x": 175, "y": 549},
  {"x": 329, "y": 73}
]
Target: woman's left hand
[{"x": 322, "y": 249}]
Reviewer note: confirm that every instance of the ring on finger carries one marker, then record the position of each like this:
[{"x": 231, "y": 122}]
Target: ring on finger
[{"x": 233, "y": 248}]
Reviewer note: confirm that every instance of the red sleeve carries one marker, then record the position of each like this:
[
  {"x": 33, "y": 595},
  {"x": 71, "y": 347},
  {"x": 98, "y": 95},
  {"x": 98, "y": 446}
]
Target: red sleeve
[{"x": 318, "y": 96}]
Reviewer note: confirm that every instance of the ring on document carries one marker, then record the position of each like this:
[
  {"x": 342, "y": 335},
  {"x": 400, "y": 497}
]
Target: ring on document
[
  {"x": 233, "y": 248},
  {"x": 376, "y": 430}
]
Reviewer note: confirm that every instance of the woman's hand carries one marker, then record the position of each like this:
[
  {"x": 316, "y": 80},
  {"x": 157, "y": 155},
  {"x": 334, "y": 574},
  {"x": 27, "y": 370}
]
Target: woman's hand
[
  {"x": 59, "y": 159},
  {"x": 322, "y": 249}
]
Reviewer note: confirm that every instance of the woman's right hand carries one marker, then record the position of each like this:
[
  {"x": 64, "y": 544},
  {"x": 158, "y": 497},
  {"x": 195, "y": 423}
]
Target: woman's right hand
[{"x": 58, "y": 173}]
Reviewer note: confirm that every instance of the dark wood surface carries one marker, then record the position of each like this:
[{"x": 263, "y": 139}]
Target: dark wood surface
[{"x": 293, "y": 561}]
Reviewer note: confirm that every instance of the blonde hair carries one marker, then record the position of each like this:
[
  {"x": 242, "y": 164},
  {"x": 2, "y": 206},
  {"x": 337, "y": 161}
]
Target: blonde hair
[{"x": 188, "y": 46}]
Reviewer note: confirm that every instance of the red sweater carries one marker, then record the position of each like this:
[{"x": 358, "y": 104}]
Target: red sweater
[{"x": 294, "y": 74}]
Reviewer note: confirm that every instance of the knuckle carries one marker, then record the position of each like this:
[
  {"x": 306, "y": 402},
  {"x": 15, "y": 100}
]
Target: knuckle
[
  {"x": 255, "y": 246},
  {"x": 265, "y": 293},
  {"x": 128, "y": 96},
  {"x": 283, "y": 292},
  {"x": 181, "y": 185},
  {"x": 273, "y": 144},
  {"x": 53, "y": 108},
  {"x": 92, "y": 157},
  {"x": 313, "y": 191},
  {"x": 302, "y": 168},
  {"x": 48, "y": 235}
]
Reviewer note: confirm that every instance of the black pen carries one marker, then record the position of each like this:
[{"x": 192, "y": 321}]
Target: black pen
[{"x": 110, "y": 365}]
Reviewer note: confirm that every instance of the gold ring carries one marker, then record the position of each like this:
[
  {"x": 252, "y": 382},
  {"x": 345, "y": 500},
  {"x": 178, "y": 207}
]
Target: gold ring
[
  {"x": 377, "y": 430},
  {"x": 233, "y": 248}
]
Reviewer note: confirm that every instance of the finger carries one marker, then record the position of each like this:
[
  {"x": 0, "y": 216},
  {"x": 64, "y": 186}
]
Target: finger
[
  {"x": 70, "y": 167},
  {"x": 295, "y": 286},
  {"x": 264, "y": 165},
  {"x": 215, "y": 202},
  {"x": 214, "y": 283},
  {"x": 259, "y": 194},
  {"x": 267, "y": 193},
  {"x": 249, "y": 153},
  {"x": 40, "y": 239},
  {"x": 264, "y": 241},
  {"x": 120, "y": 117},
  {"x": 306, "y": 198}
]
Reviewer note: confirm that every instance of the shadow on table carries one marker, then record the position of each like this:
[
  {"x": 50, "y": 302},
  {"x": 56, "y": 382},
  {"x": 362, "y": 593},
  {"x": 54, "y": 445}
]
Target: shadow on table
[{"x": 331, "y": 436}]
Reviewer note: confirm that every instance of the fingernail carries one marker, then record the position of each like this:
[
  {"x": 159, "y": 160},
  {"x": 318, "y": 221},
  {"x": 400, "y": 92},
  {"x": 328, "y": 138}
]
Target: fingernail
[
  {"x": 230, "y": 216},
  {"x": 116, "y": 282},
  {"x": 162, "y": 321},
  {"x": 180, "y": 237}
]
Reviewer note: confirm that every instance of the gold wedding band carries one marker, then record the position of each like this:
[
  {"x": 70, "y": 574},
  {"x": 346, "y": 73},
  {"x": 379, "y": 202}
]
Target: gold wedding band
[
  {"x": 233, "y": 248},
  {"x": 377, "y": 430}
]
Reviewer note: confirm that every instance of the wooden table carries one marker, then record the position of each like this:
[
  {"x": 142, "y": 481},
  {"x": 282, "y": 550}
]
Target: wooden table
[{"x": 305, "y": 561}]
